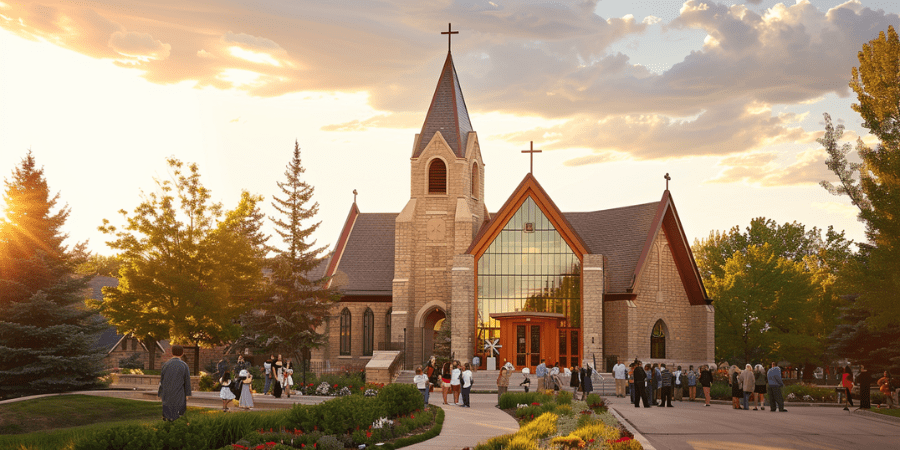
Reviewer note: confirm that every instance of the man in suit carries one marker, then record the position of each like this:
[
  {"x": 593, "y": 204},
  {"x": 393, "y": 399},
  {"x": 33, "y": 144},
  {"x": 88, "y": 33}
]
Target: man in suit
[{"x": 640, "y": 380}]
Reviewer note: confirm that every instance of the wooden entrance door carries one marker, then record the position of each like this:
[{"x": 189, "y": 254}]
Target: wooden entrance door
[{"x": 529, "y": 339}]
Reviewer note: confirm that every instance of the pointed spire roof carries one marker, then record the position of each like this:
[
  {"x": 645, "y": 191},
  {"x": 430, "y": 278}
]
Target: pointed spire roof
[{"x": 447, "y": 113}]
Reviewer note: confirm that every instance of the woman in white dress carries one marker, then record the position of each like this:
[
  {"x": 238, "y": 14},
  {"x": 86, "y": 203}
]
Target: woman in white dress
[
  {"x": 225, "y": 394},
  {"x": 246, "y": 395},
  {"x": 288, "y": 379}
]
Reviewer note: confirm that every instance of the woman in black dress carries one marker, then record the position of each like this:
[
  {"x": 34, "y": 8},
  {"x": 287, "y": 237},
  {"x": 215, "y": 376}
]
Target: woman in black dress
[
  {"x": 706, "y": 380},
  {"x": 737, "y": 392},
  {"x": 864, "y": 380}
]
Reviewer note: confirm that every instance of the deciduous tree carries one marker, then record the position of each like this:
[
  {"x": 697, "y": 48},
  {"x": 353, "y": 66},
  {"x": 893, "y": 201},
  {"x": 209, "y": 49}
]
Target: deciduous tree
[{"x": 189, "y": 270}]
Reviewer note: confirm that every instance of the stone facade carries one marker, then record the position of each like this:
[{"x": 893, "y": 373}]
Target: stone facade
[
  {"x": 661, "y": 295},
  {"x": 592, "y": 320}
]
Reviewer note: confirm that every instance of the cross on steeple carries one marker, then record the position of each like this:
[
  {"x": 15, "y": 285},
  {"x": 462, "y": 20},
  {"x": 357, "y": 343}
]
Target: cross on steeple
[
  {"x": 354, "y": 196},
  {"x": 531, "y": 153},
  {"x": 449, "y": 34},
  {"x": 667, "y": 177}
]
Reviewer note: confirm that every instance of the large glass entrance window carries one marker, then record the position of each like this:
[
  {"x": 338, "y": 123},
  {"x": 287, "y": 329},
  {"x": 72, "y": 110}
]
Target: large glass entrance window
[{"x": 528, "y": 267}]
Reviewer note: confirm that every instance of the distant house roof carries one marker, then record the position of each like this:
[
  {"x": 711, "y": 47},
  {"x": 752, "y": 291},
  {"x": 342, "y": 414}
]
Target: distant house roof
[
  {"x": 447, "y": 114},
  {"x": 109, "y": 339}
]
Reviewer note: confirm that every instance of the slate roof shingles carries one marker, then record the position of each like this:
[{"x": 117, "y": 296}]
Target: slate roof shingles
[{"x": 368, "y": 258}]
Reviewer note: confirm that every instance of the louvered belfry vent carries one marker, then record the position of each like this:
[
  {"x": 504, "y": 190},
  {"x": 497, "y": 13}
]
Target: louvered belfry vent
[{"x": 437, "y": 177}]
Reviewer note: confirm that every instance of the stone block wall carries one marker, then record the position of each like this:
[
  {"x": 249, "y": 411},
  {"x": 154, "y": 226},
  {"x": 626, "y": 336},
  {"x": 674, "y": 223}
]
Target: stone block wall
[
  {"x": 592, "y": 278},
  {"x": 463, "y": 307},
  {"x": 661, "y": 295},
  {"x": 331, "y": 351}
]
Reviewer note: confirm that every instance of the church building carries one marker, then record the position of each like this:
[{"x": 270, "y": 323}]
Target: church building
[{"x": 525, "y": 283}]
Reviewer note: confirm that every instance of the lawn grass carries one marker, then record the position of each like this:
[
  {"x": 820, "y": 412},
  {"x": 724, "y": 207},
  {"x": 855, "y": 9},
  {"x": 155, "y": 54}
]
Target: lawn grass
[
  {"x": 56, "y": 422},
  {"x": 887, "y": 412}
]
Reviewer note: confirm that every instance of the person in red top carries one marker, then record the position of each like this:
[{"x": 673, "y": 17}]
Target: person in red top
[
  {"x": 847, "y": 383},
  {"x": 884, "y": 385}
]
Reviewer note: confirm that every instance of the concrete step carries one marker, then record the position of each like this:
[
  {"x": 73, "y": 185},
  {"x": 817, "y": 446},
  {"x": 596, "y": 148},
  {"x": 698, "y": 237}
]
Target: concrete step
[{"x": 486, "y": 381}]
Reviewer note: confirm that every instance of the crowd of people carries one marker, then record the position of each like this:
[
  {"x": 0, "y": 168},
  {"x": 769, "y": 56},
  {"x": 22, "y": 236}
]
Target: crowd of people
[{"x": 277, "y": 374}]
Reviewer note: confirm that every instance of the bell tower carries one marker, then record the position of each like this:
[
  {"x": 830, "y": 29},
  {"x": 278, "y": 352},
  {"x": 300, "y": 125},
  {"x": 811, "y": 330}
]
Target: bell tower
[{"x": 445, "y": 210}]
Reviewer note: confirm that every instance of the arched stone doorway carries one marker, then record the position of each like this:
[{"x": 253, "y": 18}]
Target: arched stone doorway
[{"x": 430, "y": 326}]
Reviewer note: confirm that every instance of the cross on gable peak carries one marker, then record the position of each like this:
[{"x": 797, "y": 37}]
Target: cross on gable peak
[
  {"x": 449, "y": 34},
  {"x": 531, "y": 151}
]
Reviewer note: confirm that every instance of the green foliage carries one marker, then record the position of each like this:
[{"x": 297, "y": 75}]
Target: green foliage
[
  {"x": 774, "y": 290},
  {"x": 207, "y": 382},
  {"x": 186, "y": 271},
  {"x": 510, "y": 400},
  {"x": 286, "y": 319},
  {"x": 47, "y": 338},
  {"x": 800, "y": 390},
  {"x": 400, "y": 399},
  {"x": 870, "y": 278},
  {"x": 564, "y": 398},
  {"x": 131, "y": 362},
  {"x": 595, "y": 401}
]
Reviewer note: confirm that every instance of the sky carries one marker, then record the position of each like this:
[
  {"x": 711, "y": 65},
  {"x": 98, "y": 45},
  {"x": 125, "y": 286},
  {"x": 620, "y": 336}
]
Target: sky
[{"x": 727, "y": 98}]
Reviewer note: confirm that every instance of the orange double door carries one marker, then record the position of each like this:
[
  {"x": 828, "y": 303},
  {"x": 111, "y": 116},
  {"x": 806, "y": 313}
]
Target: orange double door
[{"x": 527, "y": 338}]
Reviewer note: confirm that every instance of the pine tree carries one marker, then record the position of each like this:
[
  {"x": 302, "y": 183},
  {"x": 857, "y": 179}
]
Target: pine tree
[
  {"x": 47, "y": 336},
  {"x": 287, "y": 320}
]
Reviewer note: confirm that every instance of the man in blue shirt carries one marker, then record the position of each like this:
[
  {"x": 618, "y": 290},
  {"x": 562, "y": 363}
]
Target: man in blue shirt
[
  {"x": 775, "y": 385},
  {"x": 541, "y": 373}
]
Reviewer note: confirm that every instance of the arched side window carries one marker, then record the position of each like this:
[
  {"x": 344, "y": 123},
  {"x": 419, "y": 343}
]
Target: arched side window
[
  {"x": 658, "y": 341},
  {"x": 387, "y": 329},
  {"x": 346, "y": 321},
  {"x": 368, "y": 332},
  {"x": 437, "y": 177},
  {"x": 475, "y": 180}
]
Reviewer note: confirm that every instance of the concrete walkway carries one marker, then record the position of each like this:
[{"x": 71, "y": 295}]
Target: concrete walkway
[
  {"x": 466, "y": 427},
  {"x": 692, "y": 426}
]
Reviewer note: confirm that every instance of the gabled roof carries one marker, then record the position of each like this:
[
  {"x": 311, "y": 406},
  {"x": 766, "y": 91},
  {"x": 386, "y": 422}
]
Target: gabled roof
[
  {"x": 619, "y": 235},
  {"x": 529, "y": 187},
  {"x": 447, "y": 114},
  {"x": 365, "y": 254},
  {"x": 109, "y": 339},
  {"x": 666, "y": 218}
]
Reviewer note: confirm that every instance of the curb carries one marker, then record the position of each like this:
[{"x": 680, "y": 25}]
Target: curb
[
  {"x": 631, "y": 429},
  {"x": 876, "y": 416}
]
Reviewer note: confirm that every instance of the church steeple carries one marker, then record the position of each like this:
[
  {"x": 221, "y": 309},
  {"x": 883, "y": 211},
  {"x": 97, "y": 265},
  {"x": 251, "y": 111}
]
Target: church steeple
[{"x": 447, "y": 113}]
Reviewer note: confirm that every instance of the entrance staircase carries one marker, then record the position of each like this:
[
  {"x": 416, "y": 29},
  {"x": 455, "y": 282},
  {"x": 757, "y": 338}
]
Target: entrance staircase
[{"x": 485, "y": 381}]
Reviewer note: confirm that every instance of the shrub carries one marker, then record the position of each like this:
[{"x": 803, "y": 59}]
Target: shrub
[
  {"x": 595, "y": 401},
  {"x": 207, "y": 382},
  {"x": 564, "y": 398},
  {"x": 520, "y": 442},
  {"x": 400, "y": 399},
  {"x": 539, "y": 428},
  {"x": 509, "y": 400},
  {"x": 570, "y": 441},
  {"x": 586, "y": 419},
  {"x": 818, "y": 394},
  {"x": 329, "y": 442},
  {"x": 564, "y": 410},
  {"x": 495, "y": 443},
  {"x": 597, "y": 431},
  {"x": 721, "y": 391},
  {"x": 131, "y": 362}
]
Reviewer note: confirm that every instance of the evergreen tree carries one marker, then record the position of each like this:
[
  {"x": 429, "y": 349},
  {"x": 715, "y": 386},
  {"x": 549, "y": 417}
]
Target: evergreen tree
[
  {"x": 286, "y": 321},
  {"x": 873, "y": 276},
  {"x": 187, "y": 273},
  {"x": 47, "y": 336}
]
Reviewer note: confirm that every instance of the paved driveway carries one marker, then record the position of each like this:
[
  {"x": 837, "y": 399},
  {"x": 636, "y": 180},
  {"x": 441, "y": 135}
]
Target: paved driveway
[{"x": 693, "y": 426}]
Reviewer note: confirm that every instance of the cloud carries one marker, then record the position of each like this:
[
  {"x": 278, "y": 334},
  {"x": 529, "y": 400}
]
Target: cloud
[
  {"x": 721, "y": 130},
  {"x": 763, "y": 168},
  {"x": 140, "y": 46}
]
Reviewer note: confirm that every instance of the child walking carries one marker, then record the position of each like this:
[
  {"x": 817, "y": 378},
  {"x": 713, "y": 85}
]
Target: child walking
[{"x": 225, "y": 394}]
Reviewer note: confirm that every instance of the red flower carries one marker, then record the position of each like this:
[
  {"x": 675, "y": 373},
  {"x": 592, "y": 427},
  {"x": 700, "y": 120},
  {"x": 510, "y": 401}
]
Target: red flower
[
  {"x": 335, "y": 386},
  {"x": 536, "y": 404},
  {"x": 412, "y": 416},
  {"x": 368, "y": 434}
]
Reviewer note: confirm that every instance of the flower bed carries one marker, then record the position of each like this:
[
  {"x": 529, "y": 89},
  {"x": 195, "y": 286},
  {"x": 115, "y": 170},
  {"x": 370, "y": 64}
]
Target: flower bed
[
  {"x": 548, "y": 423},
  {"x": 345, "y": 422}
]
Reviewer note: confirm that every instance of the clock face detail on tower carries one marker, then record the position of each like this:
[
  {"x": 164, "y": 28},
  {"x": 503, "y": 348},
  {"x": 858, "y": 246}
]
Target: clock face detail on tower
[{"x": 435, "y": 229}]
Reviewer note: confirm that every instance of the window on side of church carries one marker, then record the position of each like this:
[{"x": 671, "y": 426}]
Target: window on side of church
[
  {"x": 346, "y": 321},
  {"x": 475, "y": 180},
  {"x": 658, "y": 341},
  {"x": 368, "y": 332},
  {"x": 437, "y": 177},
  {"x": 387, "y": 329},
  {"x": 529, "y": 271}
]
